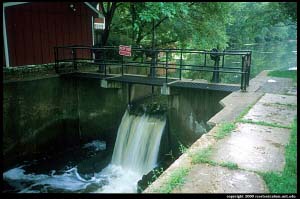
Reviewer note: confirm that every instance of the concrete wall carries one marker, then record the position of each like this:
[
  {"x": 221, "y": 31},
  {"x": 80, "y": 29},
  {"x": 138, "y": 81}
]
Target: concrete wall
[
  {"x": 44, "y": 116},
  {"x": 50, "y": 115},
  {"x": 33, "y": 114},
  {"x": 100, "y": 110},
  {"x": 188, "y": 113}
]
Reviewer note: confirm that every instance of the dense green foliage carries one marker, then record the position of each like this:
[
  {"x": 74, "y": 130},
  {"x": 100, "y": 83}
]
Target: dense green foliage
[
  {"x": 197, "y": 25},
  {"x": 263, "y": 21},
  {"x": 193, "y": 25},
  {"x": 286, "y": 181}
]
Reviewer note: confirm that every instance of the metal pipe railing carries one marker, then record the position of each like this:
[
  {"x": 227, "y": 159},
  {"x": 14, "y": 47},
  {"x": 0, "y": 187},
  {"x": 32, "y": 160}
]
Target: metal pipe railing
[{"x": 108, "y": 52}]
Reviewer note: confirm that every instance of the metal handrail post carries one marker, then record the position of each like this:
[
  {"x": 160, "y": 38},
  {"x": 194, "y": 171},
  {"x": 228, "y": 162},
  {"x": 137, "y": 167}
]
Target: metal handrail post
[
  {"x": 74, "y": 58},
  {"x": 216, "y": 77},
  {"x": 243, "y": 74},
  {"x": 103, "y": 63},
  {"x": 180, "y": 64},
  {"x": 56, "y": 59},
  {"x": 223, "y": 59},
  {"x": 249, "y": 68},
  {"x": 204, "y": 59},
  {"x": 122, "y": 65},
  {"x": 92, "y": 54},
  {"x": 247, "y": 71},
  {"x": 167, "y": 57},
  {"x": 153, "y": 63}
]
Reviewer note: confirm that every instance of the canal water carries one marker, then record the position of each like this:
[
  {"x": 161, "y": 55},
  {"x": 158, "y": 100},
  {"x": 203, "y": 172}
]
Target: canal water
[
  {"x": 271, "y": 56},
  {"x": 265, "y": 56},
  {"x": 69, "y": 135}
]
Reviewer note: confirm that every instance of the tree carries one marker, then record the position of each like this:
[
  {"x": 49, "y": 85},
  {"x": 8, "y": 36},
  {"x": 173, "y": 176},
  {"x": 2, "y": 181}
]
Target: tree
[
  {"x": 285, "y": 12},
  {"x": 145, "y": 14},
  {"x": 257, "y": 21},
  {"x": 108, "y": 9},
  {"x": 200, "y": 25}
]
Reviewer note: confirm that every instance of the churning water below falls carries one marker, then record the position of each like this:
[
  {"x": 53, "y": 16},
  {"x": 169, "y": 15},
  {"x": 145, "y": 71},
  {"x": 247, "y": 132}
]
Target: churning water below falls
[{"x": 135, "y": 154}]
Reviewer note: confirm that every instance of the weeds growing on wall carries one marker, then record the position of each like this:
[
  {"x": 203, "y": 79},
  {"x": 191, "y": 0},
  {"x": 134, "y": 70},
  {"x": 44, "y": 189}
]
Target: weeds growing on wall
[{"x": 176, "y": 180}]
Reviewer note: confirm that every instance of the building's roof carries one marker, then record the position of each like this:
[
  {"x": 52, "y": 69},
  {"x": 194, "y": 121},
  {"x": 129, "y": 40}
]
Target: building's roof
[
  {"x": 91, "y": 5},
  {"x": 94, "y": 4}
]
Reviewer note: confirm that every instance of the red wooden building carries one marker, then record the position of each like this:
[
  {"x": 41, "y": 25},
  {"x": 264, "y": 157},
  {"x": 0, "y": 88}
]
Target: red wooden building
[{"x": 31, "y": 30}]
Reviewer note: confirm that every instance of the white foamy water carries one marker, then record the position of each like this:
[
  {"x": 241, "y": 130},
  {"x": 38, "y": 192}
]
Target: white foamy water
[
  {"x": 293, "y": 68},
  {"x": 250, "y": 44},
  {"x": 119, "y": 180},
  {"x": 271, "y": 81},
  {"x": 70, "y": 180},
  {"x": 135, "y": 154},
  {"x": 263, "y": 52},
  {"x": 97, "y": 145},
  {"x": 138, "y": 142}
]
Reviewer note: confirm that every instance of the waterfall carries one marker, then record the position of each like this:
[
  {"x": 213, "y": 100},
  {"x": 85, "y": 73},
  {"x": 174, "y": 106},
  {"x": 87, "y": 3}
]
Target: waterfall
[
  {"x": 135, "y": 154},
  {"x": 137, "y": 143}
]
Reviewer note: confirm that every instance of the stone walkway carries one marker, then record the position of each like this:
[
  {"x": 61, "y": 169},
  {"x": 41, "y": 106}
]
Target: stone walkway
[{"x": 252, "y": 146}]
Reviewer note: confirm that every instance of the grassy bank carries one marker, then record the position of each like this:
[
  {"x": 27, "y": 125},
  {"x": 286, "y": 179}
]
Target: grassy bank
[
  {"x": 284, "y": 73},
  {"x": 286, "y": 181}
]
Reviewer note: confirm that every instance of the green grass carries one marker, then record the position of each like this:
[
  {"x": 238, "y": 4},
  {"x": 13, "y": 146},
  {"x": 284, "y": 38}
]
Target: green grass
[
  {"x": 284, "y": 73},
  {"x": 290, "y": 106},
  {"x": 246, "y": 110},
  {"x": 229, "y": 165},
  {"x": 264, "y": 123},
  {"x": 176, "y": 180},
  {"x": 224, "y": 130},
  {"x": 286, "y": 181},
  {"x": 202, "y": 156},
  {"x": 243, "y": 113}
]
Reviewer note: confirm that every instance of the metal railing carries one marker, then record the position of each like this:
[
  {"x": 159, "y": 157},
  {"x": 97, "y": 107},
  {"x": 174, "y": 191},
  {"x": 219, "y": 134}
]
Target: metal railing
[{"x": 158, "y": 59}]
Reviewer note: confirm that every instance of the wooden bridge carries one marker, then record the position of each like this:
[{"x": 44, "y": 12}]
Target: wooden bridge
[{"x": 162, "y": 67}]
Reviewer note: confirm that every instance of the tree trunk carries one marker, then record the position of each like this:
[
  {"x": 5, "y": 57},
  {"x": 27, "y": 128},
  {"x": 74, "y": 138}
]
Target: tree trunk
[
  {"x": 133, "y": 18},
  {"x": 108, "y": 14}
]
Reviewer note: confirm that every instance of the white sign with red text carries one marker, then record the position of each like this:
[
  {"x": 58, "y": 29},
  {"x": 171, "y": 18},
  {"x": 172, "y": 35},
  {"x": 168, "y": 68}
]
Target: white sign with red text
[{"x": 125, "y": 50}]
